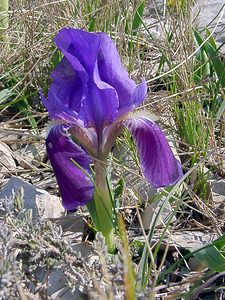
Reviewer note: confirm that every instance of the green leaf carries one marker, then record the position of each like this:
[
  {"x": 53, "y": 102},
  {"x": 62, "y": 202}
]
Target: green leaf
[
  {"x": 137, "y": 20},
  {"x": 211, "y": 39},
  {"x": 212, "y": 255},
  {"x": 220, "y": 242},
  {"x": 93, "y": 212},
  {"x": 119, "y": 188},
  {"x": 212, "y": 258},
  {"x": 129, "y": 274},
  {"x": 212, "y": 52},
  {"x": 18, "y": 100},
  {"x": 5, "y": 94},
  {"x": 91, "y": 27},
  {"x": 220, "y": 110}
]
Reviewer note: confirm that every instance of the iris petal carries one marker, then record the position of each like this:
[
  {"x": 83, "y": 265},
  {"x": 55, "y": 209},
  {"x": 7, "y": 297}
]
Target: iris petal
[
  {"x": 136, "y": 99},
  {"x": 80, "y": 48},
  {"x": 99, "y": 106},
  {"x": 98, "y": 100},
  {"x": 139, "y": 94},
  {"x": 112, "y": 71},
  {"x": 56, "y": 109},
  {"x": 65, "y": 93},
  {"x": 75, "y": 186},
  {"x": 157, "y": 160},
  {"x": 90, "y": 83}
]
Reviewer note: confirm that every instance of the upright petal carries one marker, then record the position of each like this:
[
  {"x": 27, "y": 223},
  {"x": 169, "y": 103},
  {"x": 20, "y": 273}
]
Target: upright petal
[
  {"x": 112, "y": 72},
  {"x": 79, "y": 47},
  {"x": 136, "y": 100},
  {"x": 90, "y": 84},
  {"x": 100, "y": 104},
  {"x": 98, "y": 100},
  {"x": 157, "y": 160},
  {"x": 75, "y": 186},
  {"x": 65, "y": 93}
]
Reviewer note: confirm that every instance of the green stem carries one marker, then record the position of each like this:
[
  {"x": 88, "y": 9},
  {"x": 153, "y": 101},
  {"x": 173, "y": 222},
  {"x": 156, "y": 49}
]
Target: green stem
[{"x": 103, "y": 205}]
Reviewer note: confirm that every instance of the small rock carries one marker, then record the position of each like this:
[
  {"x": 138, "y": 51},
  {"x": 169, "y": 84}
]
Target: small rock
[
  {"x": 66, "y": 294},
  {"x": 73, "y": 223},
  {"x": 186, "y": 239},
  {"x": 152, "y": 210},
  {"x": 41, "y": 202},
  {"x": 195, "y": 265},
  {"x": 57, "y": 282},
  {"x": 7, "y": 138},
  {"x": 86, "y": 251},
  {"x": 216, "y": 193},
  {"x": 73, "y": 226},
  {"x": 209, "y": 13},
  {"x": 85, "y": 248},
  {"x": 26, "y": 155},
  {"x": 7, "y": 163}
]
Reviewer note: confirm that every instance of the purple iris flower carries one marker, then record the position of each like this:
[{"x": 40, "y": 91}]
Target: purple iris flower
[{"x": 92, "y": 98}]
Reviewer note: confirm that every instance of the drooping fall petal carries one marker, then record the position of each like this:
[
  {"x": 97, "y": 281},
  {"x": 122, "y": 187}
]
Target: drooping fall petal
[
  {"x": 75, "y": 186},
  {"x": 157, "y": 160}
]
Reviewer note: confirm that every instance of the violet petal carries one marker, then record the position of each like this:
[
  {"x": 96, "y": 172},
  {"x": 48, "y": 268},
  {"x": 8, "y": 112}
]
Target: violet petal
[
  {"x": 80, "y": 48},
  {"x": 75, "y": 186},
  {"x": 112, "y": 71},
  {"x": 98, "y": 100},
  {"x": 157, "y": 160},
  {"x": 137, "y": 98}
]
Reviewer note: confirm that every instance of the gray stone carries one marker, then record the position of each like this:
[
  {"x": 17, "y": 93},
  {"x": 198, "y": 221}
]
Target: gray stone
[
  {"x": 218, "y": 186},
  {"x": 26, "y": 156},
  {"x": 208, "y": 16},
  {"x": 85, "y": 249},
  {"x": 7, "y": 163},
  {"x": 186, "y": 239},
  {"x": 57, "y": 285},
  {"x": 205, "y": 13},
  {"x": 73, "y": 226},
  {"x": 8, "y": 138},
  {"x": 39, "y": 201},
  {"x": 216, "y": 193},
  {"x": 195, "y": 264},
  {"x": 151, "y": 213},
  {"x": 66, "y": 294}
]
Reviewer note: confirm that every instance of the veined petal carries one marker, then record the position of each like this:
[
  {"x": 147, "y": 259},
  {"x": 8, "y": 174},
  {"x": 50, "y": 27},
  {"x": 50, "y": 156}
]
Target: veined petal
[
  {"x": 157, "y": 160},
  {"x": 56, "y": 108},
  {"x": 75, "y": 186},
  {"x": 90, "y": 84}
]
